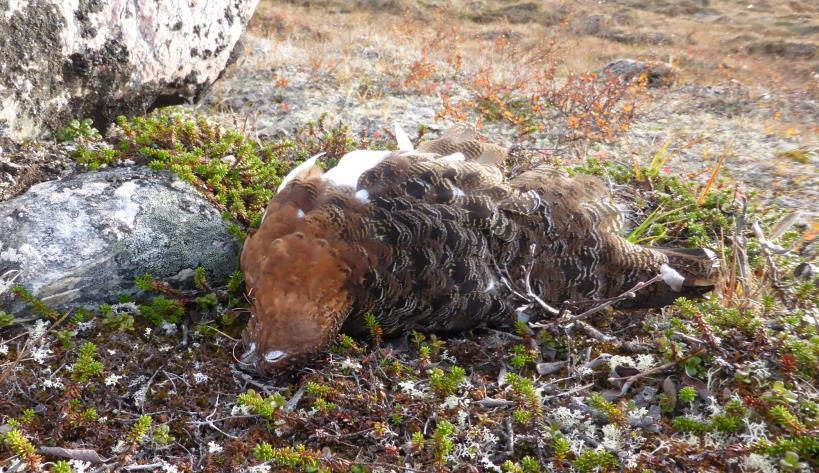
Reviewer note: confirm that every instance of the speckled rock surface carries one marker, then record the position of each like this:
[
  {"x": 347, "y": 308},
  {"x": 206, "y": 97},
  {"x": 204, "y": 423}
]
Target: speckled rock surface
[
  {"x": 84, "y": 239},
  {"x": 64, "y": 59}
]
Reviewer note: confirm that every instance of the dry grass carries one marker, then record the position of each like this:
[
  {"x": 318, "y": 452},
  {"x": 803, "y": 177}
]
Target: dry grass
[
  {"x": 371, "y": 50},
  {"x": 710, "y": 44}
]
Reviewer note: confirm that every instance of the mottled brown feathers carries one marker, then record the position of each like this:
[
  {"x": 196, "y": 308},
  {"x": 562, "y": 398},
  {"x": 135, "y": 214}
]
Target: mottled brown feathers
[
  {"x": 426, "y": 242},
  {"x": 463, "y": 139}
]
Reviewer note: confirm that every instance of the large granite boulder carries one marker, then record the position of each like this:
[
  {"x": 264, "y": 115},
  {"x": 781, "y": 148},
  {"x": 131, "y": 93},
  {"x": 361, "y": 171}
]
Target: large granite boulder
[
  {"x": 83, "y": 240},
  {"x": 98, "y": 59}
]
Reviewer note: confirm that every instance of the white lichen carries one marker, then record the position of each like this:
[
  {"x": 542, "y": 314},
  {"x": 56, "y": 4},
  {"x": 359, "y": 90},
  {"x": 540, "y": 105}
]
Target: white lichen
[
  {"x": 112, "y": 379},
  {"x": 566, "y": 417},
  {"x": 214, "y": 447},
  {"x": 612, "y": 437},
  {"x": 762, "y": 463},
  {"x": 200, "y": 378},
  {"x": 40, "y": 354}
]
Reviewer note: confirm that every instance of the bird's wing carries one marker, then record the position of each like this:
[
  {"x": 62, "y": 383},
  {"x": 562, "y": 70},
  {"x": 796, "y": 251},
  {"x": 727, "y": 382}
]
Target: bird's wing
[
  {"x": 404, "y": 142},
  {"x": 301, "y": 171},
  {"x": 463, "y": 139},
  {"x": 581, "y": 201}
]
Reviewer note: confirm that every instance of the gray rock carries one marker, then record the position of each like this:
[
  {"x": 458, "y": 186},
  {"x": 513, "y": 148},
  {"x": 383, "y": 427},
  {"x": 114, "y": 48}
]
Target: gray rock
[
  {"x": 657, "y": 74},
  {"x": 81, "y": 241},
  {"x": 91, "y": 58}
]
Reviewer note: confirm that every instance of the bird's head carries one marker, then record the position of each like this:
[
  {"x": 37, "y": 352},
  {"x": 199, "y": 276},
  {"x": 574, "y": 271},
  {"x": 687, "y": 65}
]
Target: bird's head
[
  {"x": 298, "y": 285},
  {"x": 283, "y": 337}
]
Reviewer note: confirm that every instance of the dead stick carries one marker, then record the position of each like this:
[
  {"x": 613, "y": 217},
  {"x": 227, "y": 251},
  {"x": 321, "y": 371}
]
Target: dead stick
[{"x": 609, "y": 302}]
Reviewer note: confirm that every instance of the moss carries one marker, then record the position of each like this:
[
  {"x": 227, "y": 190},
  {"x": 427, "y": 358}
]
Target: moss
[
  {"x": 727, "y": 424},
  {"x": 595, "y": 167},
  {"x": 730, "y": 421},
  {"x": 527, "y": 398},
  {"x": 526, "y": 465},
  {"x": 687, "y": 394},
  {"x": 595, "y": 460},
  {"x": 238, "y": 174},
  {"x": 200, "y": 279},
  {"x": 806, "y": 446},
  {"x": 718, "y": 316},
  {"x": 612, "y": 412},
  {"x": 27, "y": 417},
  {"x": 263, "y": 407},
  {"x": 376, "y": 332},
  {"x": 562, "y": 447},
  {"x": 784, "y": 417},
  {"x": 162, "y": 310},
  {"x": 87, "y": 365},
  {"x": 521, "y": 356},
  {"x": 36, "y": 304},
  {"x": 140, "y": 428},
  {"x": 5, "y": 319},
  {"x": 446, "y": 383},
  {"x": 21, "y": 446},
  {"x": 118, "y": 322},
  {"x": 675, "y": 203},
  {"x": 298, "y": 457},
  {"x": 442, "y": 440},
  {"x": 61, "y": 466},
  {"x": 263, "y": 452}
]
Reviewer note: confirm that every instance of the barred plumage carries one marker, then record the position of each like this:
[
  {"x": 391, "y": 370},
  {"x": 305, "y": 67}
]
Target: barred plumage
[{"x": 436, "y": 240}]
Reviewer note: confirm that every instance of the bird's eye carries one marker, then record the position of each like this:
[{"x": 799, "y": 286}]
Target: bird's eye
[{"x": 274, "y": 355}]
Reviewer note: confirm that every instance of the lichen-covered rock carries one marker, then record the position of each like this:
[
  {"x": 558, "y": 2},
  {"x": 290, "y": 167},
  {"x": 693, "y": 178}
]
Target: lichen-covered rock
[
  {"x": 64, "y": 59},
  {"x": 83, "y": 240},
  {"x": 656, "y": 74}
]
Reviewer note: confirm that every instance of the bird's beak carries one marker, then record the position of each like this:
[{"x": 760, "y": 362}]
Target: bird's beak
[{"x": 262, "y": 363}]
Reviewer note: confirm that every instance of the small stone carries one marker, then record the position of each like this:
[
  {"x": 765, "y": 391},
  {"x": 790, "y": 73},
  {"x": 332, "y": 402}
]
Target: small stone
[{"x": 805, "y": 271}]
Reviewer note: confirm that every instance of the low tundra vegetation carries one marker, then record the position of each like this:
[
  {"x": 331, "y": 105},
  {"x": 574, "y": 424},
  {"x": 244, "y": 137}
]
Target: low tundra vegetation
[{"x": 724, "y": 383}]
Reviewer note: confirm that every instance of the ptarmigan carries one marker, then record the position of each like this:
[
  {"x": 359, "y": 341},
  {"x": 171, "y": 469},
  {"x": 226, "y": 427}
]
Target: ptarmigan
[{"x": 435, "y": 239}]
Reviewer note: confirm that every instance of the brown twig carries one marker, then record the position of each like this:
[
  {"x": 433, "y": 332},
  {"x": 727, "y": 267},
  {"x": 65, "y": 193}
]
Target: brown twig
[
  {"x": 609, "y": 302},
  {"x": 26, "y": 348}
]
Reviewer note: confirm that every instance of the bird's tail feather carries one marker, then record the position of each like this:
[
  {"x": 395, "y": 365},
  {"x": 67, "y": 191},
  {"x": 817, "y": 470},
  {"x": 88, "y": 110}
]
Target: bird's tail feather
[
  {"x": 699, "y": 266},
  {"x": 696, "y": 271}
]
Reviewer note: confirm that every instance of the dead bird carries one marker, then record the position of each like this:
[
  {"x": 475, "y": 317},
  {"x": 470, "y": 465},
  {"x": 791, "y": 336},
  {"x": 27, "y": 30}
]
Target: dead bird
[{"x": 435, "y": 239}]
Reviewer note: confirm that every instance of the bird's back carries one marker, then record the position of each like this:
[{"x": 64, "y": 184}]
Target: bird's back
[{"x": 463, "y": 245}]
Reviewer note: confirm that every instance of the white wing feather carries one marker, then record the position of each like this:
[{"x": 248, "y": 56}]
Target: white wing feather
[
  {"x": 404, "y": 143},
  {"x": 298, "y": 170},
  {"x": 352, "y": 165}
]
